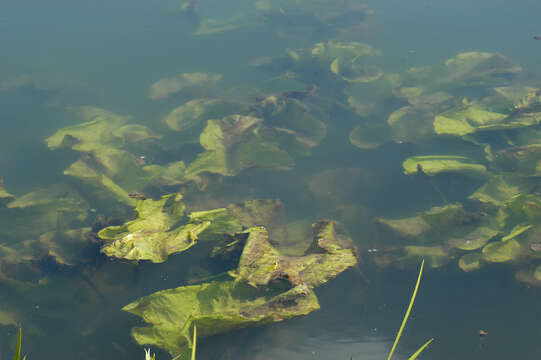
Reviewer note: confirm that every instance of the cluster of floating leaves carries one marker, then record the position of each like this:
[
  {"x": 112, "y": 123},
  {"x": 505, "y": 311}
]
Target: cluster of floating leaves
[
  {"x": 499, "y": 222},
  {"x": 273, "y": 264}
]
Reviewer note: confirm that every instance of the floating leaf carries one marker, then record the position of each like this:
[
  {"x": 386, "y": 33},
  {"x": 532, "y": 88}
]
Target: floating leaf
[
  {"x": 500, "y": 251},
  {"x": 150, "y": 236},
  {"x": 196, "y": 112},
  {"x": 96, "y": 133},
  {"x": 470, "y": 261},
  {"x": 434, "y": 164},
  {"x": 5, "y": 197},
  {"x": 269, "y": 287},
  {"x": 163, "y": 88}
]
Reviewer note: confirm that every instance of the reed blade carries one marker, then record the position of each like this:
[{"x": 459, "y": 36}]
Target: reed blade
[
  {"x": 414, "y": 356},
  {"x": 194, "y": 341},
  {"x": 407, "y": 312}
]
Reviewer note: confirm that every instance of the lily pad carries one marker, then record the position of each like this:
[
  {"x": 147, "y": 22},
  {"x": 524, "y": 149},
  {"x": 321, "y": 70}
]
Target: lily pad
[
  {"x": 520, "y": 212},
  {"x": 151, "y": 236},
  {"x": 410, "y": 124},
  {"x": 233, "y": 144},
  {"x": 530, "y": 276},
  {"x": 96, "y": 133},
  {"x": 343, "y": 50},
  {"x": 520, "y": 97},
  {"x": 173, "y": 174},
  {"x": 267, "y": 213},
  {"x": 133, "y": 133},
  {"x": 5, "y": 197},
  {"x": 470, "y": 117},
  {"x": 217, "y": 26},
  {"x": 56, "y": 200},
  {"x": 221, "y": 221},
  {"x": 478, "y": 68},
  {"x": 196, "y": 112},
  {"x": 82, "y": 171},
  {"x": 501, "y": 187},
  {"x": 370, "y": 136},
  {"x": 475, "y": 239},
  {"x": 436, "y": 256},
  {"x": 355, "y": 70},
  {"x": 68, "y": 247},
  {"x": 291, "y": 116},
  {"x": 524, "y": 160},
  {"x": 470, "y": 262},
  {"x": 269, "y": 287},
  {"x": 438, "y": 224},
  {"x": 215, "y": 308},
  {"x": 164, "y": 88},
  {"x": 434, "y": 164},
  {"x": 501, "y": 251}
]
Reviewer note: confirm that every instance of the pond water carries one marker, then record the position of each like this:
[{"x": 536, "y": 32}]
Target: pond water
[{"x": 336, "y": 96}]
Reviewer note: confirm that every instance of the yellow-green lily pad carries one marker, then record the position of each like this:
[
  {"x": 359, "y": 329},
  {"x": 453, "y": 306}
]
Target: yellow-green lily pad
[
  {"x": 475, "y": 239},
  {"x": 500, "y": 251},
  {"x": 434, "y": 164},
  {"x": 470, "y": 262},
  {"x": 151, "y": 236}
]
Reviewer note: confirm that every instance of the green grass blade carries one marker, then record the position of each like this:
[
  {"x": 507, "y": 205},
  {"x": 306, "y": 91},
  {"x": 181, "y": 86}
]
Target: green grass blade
[
  {"x": 414, "y": 356},
  {"x": 407, "y": 312},
  {"x": 194, "y": 342},
  {"x": 17, "y": 355}
]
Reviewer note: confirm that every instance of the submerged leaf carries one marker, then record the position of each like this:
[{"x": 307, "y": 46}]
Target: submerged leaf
[
  {"x": 98, "y": 132},
  {"x": 150, "y": 236},
  {"x": 370, "y": 136},
  {"x": 163, "y": 88},
  {"x": 5, "y": 197},
  {"x": 475, "y": 239},
  {"x": 197, "y": 112},
  {"x": 501, "y": 251},
  {"x": 472, "y": 117},
  {"x": 269, "y": 287},
  {"x": 470, "y": 261},
  {"x": 478, "y": 68},
  {"x": 68, "y": 247},
  {"x": 215, "y": 307}
]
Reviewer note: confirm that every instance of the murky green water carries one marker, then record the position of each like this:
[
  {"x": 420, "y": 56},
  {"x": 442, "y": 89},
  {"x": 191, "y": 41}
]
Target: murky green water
[{"x": 335, "y": 96}]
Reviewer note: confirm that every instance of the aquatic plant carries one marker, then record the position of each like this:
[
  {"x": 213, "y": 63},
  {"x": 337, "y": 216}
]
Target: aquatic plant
[
  {"x": 194, "y": 341},
  {"x": 17, "y": 355},
  {"x": 264, "y": 286},
  {"x": 150, "y": 236},
  {"x": 406, "y": 316},
  {"x": 164, "y": 88},
  {"x": 5, "y": 197}
]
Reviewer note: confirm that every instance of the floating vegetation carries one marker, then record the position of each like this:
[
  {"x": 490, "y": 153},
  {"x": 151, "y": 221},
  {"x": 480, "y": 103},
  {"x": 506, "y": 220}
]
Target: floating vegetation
[
  {"x": 265, "y": 286},
  {"x": 204, "y": 172},
  {"x": 164, "y": 88},
  {"x": 150, "y": 236},
  {"x": 5, "y": 197}
]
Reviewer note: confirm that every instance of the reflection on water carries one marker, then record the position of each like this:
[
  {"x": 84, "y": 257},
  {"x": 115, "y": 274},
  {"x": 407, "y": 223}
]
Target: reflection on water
[{"x": 414, "y": 125}]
